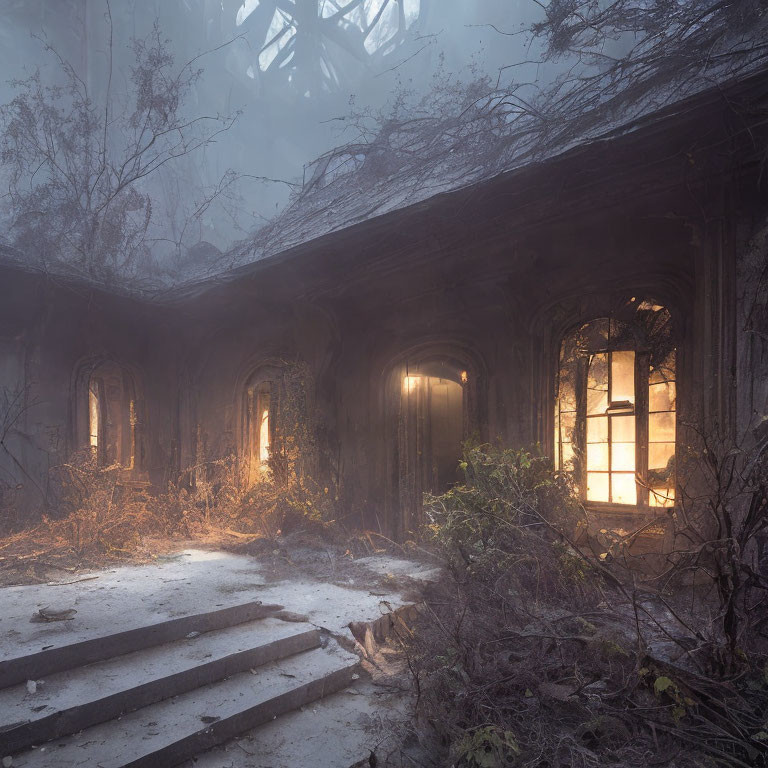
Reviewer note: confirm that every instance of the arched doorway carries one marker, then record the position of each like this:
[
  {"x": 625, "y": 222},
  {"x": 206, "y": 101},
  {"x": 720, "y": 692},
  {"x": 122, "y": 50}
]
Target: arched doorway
[{"x": 433, "y": 409}]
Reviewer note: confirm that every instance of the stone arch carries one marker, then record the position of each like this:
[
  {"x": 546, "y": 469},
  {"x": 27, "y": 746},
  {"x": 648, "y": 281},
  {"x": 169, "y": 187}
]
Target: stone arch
[
  {"x": 257, "y": 396},
  {"x": 616, "y": 405},
  {"x": 108, "y": 410}
]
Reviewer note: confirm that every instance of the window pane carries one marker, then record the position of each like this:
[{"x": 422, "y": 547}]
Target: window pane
[
  {"x": 660, "y": 454},
  {"x": 597, "y": 384},
  {"x": 94, "y": 408},
  {"x": 597, "y": 401},
  {"x": 661, "y": 427},
  {"x": 597, "y": 486},
  {"x": 664, "y": 371},
  {"x": 567, "y": 392},
  {"x": 567, "y": 425},
  {"x": 623, "y": 488},
  {"x": 597, "y": 457},
  {"x": 662, "y": 497},
  {"x": 567, "y": 458},
  {"x": 623, "y": 457},
  {"x": 597, "y": 429},
  {"x": 622, "y": 377},
  {"x": 661, "y": 397},
  {"x": 623, "y": 429},
  {"x": 262, "y": 414}
]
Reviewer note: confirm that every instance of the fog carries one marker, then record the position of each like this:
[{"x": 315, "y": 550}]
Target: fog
[{"x": 292, "y": 97}]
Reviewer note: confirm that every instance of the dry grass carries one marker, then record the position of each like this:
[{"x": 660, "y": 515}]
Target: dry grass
[
  {"x": 94, "y": 514},
  {"x": 96, "y": 517}
]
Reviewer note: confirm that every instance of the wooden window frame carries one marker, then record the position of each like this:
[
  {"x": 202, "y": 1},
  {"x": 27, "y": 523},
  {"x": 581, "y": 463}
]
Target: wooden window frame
[{"x": 641, "y": 414}]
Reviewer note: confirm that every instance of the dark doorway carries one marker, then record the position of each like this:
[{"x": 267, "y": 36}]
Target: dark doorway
[{"x": 430, "y": 435}]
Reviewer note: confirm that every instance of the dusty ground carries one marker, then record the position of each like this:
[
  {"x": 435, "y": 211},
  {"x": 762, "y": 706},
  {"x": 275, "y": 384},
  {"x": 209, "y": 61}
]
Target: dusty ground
[
  {"x": 193, "y": 580},
  {"x": 28, "y": 561},
  {"x": 25, "y": 560},
  {"x": 330, "y": 581}
]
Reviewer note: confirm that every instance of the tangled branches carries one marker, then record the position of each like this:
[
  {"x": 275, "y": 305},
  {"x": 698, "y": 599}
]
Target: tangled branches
[
  {"x": 722, "y": 524},
  {"x": 532, "y": 654},
  {"x": 78, "y": 163},
  {"x": 460, "y": 133}
]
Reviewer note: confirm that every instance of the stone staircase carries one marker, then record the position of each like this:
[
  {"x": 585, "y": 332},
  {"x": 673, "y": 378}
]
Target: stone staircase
[{"x": 161, "y": 694}]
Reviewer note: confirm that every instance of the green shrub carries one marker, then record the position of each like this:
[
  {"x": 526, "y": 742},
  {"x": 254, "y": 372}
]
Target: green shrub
[{"x": 508, "y": 525}]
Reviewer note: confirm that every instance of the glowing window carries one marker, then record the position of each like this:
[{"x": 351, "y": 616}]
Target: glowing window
[
  {"x": 94, "y": 415},
  {"x": 259, "y": 427},
  {"x": 112, "y": 416},
  {"x": 662, "y": 432},
  {"x": 600, "y": 420},
  {"x": 264, "y": 429},
  {"x": 610, "y": 450}
]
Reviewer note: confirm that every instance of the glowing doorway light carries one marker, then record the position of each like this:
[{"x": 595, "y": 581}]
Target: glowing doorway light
[
  {"x": 411, "y": 383},
  {"x": 313, "y": 43}
]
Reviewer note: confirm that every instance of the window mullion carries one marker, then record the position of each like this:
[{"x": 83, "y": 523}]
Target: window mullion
[
  {"x": 580, "y": 432},
  {"x": 609, "y": 358},
  {"x": 641, "y": 425}
]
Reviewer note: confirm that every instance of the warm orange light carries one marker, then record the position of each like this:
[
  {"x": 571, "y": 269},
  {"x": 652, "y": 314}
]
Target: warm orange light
[
  {"x": 94, "y": 408},
  {"x": 132, "y": 421},
  {"x": 411, "y": 382},
  {"x": 464, "y": 377},
  {"x": 264, "y": 437},
  {"x": 662, "y": 497}
]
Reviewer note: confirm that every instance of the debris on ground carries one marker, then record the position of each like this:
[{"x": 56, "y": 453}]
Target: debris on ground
[{"x": 48, "y": 614}]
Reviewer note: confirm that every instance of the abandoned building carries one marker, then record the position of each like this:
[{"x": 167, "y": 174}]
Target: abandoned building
[{"x": 598, "y": 302}]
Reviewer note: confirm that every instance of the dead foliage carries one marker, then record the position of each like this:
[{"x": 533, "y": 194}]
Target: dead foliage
[
  {"x": 81, "y": 164},
  {"x": 91, "y": 517},
  {"x": 533, "y": 654},
  {"x": 96, "y": 513}
]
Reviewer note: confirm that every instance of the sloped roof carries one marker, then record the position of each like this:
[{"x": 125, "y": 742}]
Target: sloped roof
[
  {"x": 463, "y": 136},
  {"x": 466, "y": 135}
]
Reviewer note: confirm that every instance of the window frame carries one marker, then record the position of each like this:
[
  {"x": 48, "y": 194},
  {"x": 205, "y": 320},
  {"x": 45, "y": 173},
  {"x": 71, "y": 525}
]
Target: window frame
[
  {"x": 110, "y": 393},
  {"x": 261, "y": 394},
  {"x": 582, "y": 414},
  {"x": 641, "y": 412}
]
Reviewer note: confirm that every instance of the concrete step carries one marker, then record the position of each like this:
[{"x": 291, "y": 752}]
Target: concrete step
[
  {"x": 49, "y": 661},
  {"x": 167, "y": 733},
  {"x": 70, "y": 701},
  {"x": 339, "y": 731}
]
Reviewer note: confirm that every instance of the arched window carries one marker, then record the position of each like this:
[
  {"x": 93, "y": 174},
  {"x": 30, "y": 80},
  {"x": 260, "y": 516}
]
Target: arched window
[
  {"x": 615, "y": 412},
  {"x": 259, "y": 424},
  {"x": 112, "y": 419}
]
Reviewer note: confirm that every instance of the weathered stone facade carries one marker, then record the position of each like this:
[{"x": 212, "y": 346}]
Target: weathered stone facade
[{"x": 477, "y": 287}]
